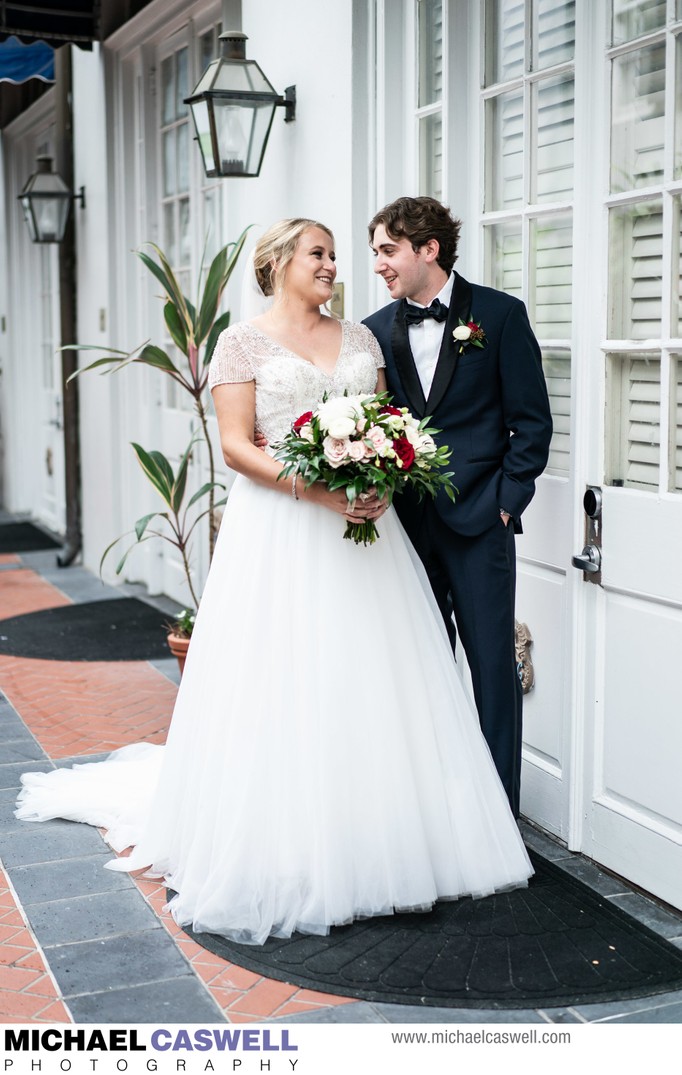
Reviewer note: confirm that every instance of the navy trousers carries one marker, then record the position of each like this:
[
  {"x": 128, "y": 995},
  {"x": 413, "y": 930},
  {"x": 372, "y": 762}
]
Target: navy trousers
[{"x": 475, "y": 577}]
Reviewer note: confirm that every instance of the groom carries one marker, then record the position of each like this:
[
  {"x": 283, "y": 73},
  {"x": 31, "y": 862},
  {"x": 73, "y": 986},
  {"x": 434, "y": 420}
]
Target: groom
[{"x": 467, "y": 356}]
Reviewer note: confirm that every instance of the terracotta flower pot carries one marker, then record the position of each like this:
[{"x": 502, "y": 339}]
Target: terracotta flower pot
[{"x": 178, "y": 646}]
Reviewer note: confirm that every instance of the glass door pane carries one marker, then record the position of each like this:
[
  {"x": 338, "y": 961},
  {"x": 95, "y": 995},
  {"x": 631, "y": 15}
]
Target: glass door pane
[
  {"x": 504, "y": 164},
  {"x": 636, "y": 271},
  {"x": 553, "y": 116},
  {"x": 637, "y": 109}
]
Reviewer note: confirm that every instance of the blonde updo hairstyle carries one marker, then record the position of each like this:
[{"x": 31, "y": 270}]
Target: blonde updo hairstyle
[{"x": 275, "y": 249}]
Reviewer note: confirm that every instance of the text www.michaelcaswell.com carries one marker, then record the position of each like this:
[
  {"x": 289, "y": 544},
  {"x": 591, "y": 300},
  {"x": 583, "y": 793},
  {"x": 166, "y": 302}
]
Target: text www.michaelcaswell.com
[{"x": 481, "y": 1037}]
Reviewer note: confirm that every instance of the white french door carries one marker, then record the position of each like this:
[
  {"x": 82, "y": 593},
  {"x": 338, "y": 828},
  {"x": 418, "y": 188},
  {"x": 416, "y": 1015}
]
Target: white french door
[
  {"x": 32, "y": 374},
  {"x": 555, "y": 131},
  {"x": 635, "y": 801}
]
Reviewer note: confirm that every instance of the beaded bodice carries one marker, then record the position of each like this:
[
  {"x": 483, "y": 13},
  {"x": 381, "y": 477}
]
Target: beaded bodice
[{"x": 287, "y": 385}]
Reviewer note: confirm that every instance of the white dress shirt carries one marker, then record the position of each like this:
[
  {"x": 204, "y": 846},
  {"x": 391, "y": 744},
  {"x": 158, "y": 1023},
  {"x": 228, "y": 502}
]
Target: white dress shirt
[{"x": 426, "y": 338}]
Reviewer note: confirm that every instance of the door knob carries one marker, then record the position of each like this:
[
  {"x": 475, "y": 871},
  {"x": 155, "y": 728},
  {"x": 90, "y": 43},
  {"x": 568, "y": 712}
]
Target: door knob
[{"x": 589, "y": 560}]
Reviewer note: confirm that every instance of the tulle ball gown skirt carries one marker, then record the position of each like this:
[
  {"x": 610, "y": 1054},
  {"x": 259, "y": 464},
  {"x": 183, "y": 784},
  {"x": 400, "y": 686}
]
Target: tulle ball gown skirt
[{"x": 324, "y": 762}]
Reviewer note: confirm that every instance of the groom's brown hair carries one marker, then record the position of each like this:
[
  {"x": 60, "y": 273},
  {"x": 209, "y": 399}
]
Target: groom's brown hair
[{"x": 421, "y": 219}]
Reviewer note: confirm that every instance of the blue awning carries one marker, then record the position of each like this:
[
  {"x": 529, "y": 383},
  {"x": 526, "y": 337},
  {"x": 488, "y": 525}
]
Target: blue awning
[{"x": 19, "y": 63}]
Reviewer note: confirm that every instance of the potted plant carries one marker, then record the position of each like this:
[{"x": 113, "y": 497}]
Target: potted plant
[
  {"x": 192, "y": 327},
  {"x": 175, "y": 525}
]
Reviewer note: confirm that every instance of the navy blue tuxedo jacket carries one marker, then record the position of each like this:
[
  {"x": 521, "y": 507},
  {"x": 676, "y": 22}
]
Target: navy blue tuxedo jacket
[{"x": 490, "y": 404}]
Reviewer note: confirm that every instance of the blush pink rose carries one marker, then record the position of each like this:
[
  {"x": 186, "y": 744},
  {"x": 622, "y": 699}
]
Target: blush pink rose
[
  {"x": 377, "y": 438},
  {"x": 336, "y": 450}
]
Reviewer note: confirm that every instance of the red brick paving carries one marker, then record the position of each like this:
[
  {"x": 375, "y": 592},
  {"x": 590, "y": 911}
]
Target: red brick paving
[
  {"x": 76, "y": 708},
  {"x": 28, "y": 993},
  {"x": 88, "y": 707}
]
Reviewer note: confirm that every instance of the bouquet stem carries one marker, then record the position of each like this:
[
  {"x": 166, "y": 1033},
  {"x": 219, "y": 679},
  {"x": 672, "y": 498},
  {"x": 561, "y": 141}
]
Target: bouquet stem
[{"x": 362, "y": 533}]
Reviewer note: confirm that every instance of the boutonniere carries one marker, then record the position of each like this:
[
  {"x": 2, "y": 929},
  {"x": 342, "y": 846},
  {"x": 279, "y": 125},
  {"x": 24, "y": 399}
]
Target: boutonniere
[{"x": 468, "y": 333}]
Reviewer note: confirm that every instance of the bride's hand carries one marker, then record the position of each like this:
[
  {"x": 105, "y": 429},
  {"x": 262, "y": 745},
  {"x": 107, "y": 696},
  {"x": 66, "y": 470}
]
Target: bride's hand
[
  {"x": 368, "y": 506},
  {"x": 357, "y": 511}
]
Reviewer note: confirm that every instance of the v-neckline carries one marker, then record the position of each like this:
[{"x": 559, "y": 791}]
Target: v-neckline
[{"x": 300, "y": 358}]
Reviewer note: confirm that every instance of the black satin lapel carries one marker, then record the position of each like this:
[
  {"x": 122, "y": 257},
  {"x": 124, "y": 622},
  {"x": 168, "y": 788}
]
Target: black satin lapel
[
  {"x": 448, "y": 357},
  {"x": 405, "y": 363}
]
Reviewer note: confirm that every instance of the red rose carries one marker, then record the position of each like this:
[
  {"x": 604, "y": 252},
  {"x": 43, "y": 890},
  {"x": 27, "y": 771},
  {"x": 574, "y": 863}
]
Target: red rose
[
  {"x": 404, "y": 451},
  {"x": 390, "y": 410},
  {"x": 303, "y": 420},
  {"x": 472, "y": 325}
]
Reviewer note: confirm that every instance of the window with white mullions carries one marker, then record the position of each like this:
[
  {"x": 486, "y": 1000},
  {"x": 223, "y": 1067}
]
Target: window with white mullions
[
  {"x": 529, "y": 115},
  {"x": 430, "y": 95},
  {"x": 645, "y": 250},
  {"x": 191, "y": 226},
  {"x": 634, "y": 18},
  {"x": 176, "y": 240}
]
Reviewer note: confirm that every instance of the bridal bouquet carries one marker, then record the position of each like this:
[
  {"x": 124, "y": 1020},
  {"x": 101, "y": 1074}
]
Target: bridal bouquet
[{"x": 362, "y": 442}]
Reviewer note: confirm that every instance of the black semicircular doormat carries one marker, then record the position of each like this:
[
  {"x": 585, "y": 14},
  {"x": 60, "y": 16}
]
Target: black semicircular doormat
[
  {"x": 119, "y": 629},
  {"x": 552, "y": 944},
  {"x": 24, "y": 537}
]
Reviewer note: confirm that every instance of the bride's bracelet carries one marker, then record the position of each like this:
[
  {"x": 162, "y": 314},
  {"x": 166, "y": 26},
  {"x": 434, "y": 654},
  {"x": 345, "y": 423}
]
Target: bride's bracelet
[{"x": 293, "y": 486}]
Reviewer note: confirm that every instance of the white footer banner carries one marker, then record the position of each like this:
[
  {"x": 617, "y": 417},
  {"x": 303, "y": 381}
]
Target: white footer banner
[{"x": 333, "y": 1049}]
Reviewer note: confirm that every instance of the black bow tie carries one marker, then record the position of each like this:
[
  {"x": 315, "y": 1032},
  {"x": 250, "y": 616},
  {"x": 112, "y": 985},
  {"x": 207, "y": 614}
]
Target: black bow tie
[{"x": 414, "y": 315}]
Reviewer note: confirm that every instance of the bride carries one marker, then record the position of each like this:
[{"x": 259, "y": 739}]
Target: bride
[{"x": 324, "y": 762}]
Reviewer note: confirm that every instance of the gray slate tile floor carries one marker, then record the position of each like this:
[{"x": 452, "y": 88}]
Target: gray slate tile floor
[{"x": 86, "y": 918}]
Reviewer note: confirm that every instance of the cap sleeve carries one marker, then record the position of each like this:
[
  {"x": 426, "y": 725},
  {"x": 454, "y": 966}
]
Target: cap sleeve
[
  {"x": 375, "y": 349},
  {"x": 231, "y": 362},
  {"x": 365, "y": 340}
]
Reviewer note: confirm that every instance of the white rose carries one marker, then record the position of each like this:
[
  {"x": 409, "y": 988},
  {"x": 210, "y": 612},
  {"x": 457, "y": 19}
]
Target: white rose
[
  {"x": 306, "y": 433},
  {"x": 338, "y": 416},
  {"x": 335, "y": 450},
  {"x": 426, "y": 445},
  {"x": 462, "y": 332},
  {"x": 412, "y": 435}
]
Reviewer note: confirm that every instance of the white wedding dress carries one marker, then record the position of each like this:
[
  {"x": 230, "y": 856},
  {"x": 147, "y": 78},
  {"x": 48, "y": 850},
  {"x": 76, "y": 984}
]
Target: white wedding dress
[{"x": 324, "y": 762}]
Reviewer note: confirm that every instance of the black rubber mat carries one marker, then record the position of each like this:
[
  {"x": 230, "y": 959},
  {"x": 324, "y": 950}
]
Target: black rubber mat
[
  {"x": 24, "y": 537},
  {"x": 555, "y": 943},
  {"x": 121, "y": 629}
]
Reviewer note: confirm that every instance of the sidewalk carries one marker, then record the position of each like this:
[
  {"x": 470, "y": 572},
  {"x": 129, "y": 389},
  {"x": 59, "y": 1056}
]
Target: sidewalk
[{"x": 82, "y": 944}]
